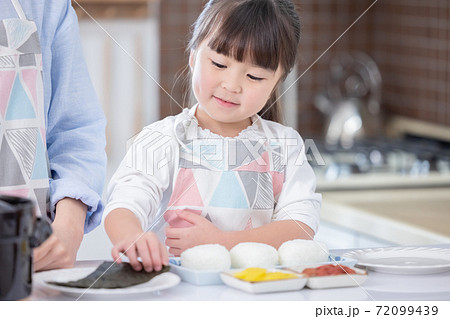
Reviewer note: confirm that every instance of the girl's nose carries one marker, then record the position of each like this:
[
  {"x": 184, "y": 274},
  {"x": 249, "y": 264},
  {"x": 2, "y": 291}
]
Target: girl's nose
[{"x": 231, "y": 83}]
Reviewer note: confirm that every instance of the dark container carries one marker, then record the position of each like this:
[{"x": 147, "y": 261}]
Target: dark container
[{"x": 20, "y": 232}]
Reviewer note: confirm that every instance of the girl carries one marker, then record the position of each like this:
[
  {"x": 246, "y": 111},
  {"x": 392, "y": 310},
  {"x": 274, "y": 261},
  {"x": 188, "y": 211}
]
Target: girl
[{"x": 220, "y": 172}]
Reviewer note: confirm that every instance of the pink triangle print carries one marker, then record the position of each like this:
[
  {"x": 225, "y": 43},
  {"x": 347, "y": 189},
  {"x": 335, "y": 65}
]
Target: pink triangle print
[
  {"x": 254, "y": 166},
  {"x": 23, "y": 192},
  {"x": 29, "y": 77},
  {"x": 185, "y": 192},
  {"x": 277, "y": 182},
  {"x": 6, "y": 82}
]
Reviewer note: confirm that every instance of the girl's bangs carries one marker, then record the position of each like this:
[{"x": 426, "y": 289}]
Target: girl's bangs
[{"x": 245, "y": 38}]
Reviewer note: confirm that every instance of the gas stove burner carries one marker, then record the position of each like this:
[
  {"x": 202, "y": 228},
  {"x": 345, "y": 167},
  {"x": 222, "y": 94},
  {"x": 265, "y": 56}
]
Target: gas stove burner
[{"x": 408, "y": 157}]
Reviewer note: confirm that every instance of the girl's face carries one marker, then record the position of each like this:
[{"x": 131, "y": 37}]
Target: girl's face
[{"x": 228, "y": 92}]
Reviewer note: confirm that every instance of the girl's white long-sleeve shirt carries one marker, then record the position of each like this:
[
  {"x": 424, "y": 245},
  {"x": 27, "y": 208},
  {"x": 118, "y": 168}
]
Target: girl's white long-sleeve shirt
[{"x": 258, "y": 177}]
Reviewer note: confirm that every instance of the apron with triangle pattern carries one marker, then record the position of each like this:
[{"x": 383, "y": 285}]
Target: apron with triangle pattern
[
  {"x": 234, "y": 183},
  {"x": 23, "y": 156}
]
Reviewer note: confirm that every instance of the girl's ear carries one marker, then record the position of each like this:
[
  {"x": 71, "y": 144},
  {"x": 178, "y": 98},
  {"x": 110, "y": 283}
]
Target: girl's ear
[{"x": 192, "y": 59}]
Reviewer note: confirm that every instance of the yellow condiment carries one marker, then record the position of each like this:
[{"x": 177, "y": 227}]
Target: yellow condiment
[{"x": 256, "y": 274}]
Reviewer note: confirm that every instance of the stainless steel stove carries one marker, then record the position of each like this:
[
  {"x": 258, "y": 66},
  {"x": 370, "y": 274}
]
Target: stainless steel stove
[{"x": 409, "y": 162}]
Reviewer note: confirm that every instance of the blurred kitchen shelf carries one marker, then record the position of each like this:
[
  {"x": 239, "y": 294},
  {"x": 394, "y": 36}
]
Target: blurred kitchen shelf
[
  {"x": 114, "y": 9},
  {"x": 383, "y": 181}
]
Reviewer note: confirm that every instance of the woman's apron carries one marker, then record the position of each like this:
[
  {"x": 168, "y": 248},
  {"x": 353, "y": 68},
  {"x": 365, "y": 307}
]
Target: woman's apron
[
  {"x": 23, "y": 151},
  {"x": 232, "y": 182}
]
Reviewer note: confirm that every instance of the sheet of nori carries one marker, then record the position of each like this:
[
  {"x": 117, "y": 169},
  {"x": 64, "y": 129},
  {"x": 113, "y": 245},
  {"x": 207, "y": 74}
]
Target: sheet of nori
[{"x": 118, "y": 276}]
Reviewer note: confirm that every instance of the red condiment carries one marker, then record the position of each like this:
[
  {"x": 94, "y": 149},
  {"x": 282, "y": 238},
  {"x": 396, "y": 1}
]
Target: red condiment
[{"x": 328, "y": 270}]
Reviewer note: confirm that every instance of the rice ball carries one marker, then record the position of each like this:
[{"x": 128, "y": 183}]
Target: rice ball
[
  {"x": 246, "y": 255},
  {"x": 302, "y": 251},
  {"x": 212, "y": 257}
]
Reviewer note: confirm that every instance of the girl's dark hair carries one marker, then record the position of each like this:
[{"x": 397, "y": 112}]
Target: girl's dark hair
[{"x": 266, "y": 32}]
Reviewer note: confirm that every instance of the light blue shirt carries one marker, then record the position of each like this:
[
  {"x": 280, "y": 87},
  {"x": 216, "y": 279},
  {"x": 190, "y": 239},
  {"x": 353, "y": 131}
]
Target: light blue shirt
[{"x": 74, "y": 119}]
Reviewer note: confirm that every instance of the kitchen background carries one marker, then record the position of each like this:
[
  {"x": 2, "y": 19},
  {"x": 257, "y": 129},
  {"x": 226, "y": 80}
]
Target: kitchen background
[{"x": 376, "y": 104}]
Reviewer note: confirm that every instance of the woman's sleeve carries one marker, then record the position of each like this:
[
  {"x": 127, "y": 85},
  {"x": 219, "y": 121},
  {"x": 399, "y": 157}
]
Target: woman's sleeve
[
  {"x": 75, "y": 123},
  {"x": 143, "y": 176},
  {"x": 298, "y": 199}
]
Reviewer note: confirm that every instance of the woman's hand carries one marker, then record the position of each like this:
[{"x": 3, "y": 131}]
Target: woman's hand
[
  {"x": 145, "y": 245},
  {"x": 201, "y": 232},
  {"x": 60, "y": 249},
  {"x": 54, "y": 253}
]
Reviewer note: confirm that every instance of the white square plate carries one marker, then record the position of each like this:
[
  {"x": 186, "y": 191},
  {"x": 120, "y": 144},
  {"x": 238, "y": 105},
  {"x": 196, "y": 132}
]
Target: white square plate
[
  {"x": 334, "y": 281},
  {"x": 264, "y": 286}
]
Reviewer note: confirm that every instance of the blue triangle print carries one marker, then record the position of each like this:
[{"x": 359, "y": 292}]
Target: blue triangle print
[
  {"x": 229, "y": 192},
  {"x": 40, "y": 170},
  {"x": 189, "y": 145},
  {"x": 18, "y": 31},
  {"x": 19, "y": 106}
]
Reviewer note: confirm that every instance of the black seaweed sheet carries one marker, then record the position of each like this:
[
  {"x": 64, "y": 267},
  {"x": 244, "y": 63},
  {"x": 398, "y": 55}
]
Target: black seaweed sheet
[{"x": 118, "y": 276}]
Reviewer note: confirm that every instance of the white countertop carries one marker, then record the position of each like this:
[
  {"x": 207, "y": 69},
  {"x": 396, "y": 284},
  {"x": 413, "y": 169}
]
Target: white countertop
[
  {"x": 401, "y": 216},
  {"x": 379, "y": 286}
]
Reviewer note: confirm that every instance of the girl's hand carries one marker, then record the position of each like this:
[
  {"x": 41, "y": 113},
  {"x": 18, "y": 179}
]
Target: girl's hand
[
  {"x": 201, "y": 232},
  {"x": 145, "y": 245}
]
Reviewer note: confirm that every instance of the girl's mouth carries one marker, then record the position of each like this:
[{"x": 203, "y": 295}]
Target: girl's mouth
[{"x": 224, "y": 102}]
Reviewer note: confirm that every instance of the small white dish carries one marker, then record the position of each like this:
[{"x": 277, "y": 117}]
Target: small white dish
[
  {"x": 270, "y": 286},
  {"x": 195, "y": 277},
  {"x": 338, "y": 281},
  {"x": 403, "y": 260}
]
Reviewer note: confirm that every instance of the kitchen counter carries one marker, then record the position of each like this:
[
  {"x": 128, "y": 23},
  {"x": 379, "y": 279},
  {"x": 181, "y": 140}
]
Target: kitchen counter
[
  {"x": 379, "y": 286},
  {"x": 400, "y": 216}
]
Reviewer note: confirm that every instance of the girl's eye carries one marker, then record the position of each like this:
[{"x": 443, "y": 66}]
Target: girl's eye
[
  {"x": 218, "y": 65},
  {"x": 254, "y": 78}
]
